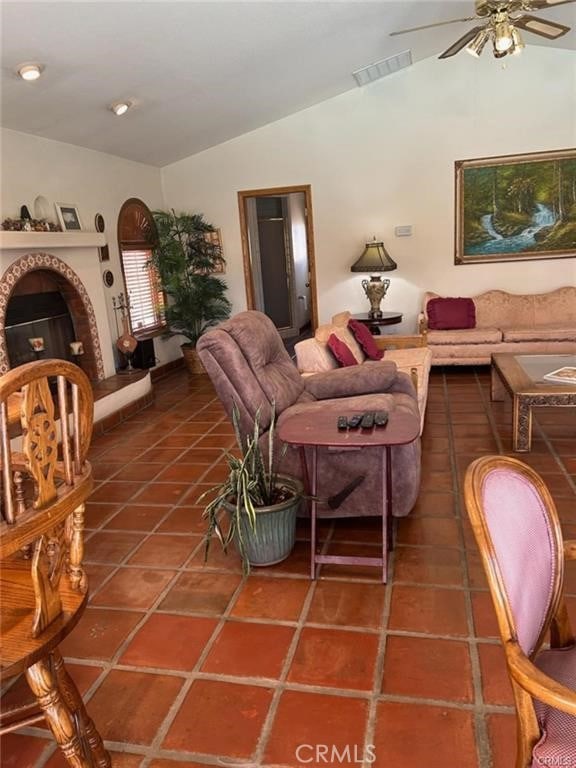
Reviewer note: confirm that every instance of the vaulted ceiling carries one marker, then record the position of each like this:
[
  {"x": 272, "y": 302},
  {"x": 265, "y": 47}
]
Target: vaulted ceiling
[{"x": 200, "y": 73}]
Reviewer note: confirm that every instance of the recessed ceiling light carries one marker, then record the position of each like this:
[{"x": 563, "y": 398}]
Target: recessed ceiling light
[
  {"x": 120, "y": 107},
  {"x": 30, "y": 71}
]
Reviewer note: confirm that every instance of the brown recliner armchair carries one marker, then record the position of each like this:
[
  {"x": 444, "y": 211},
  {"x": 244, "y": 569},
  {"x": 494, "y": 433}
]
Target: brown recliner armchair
[{"x": 248, "y": 364}]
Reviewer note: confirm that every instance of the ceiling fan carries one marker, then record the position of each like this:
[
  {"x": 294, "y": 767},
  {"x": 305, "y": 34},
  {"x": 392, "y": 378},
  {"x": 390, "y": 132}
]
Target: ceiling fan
[{"x": 502, "y": 22}]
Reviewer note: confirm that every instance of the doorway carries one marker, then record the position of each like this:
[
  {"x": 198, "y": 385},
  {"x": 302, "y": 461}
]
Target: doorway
[{"x": 278, "y": 249}]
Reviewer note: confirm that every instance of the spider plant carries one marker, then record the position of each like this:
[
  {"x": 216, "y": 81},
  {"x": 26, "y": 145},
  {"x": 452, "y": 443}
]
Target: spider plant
[{"x": 252, "y": 486}]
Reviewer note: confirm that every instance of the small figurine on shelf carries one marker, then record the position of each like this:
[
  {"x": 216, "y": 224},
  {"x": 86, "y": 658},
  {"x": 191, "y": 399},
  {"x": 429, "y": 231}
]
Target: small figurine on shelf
[
  {"x": 26, "y": 219},
  {"x": 126, "y": 342}
]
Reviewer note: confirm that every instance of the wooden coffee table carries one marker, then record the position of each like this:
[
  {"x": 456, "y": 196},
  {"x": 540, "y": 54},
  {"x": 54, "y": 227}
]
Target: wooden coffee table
[
  {"x": 522, "y": 377},
  {"x": 319, "y": 429}
]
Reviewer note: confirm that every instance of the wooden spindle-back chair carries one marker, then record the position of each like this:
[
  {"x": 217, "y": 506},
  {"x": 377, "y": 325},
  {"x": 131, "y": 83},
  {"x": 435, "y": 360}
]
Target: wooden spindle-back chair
[{"x": 46, "y": 411}]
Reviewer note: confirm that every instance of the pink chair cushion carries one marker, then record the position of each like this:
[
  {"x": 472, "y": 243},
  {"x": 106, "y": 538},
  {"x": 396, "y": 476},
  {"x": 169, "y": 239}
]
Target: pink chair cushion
[
  {"x": 365, "y": 339},
  {"x": 340, "y": 351},
  {"x": 518, "y": 526},
  {"x": 451, "y": 314},
  {"x": 558, "y": 743}
]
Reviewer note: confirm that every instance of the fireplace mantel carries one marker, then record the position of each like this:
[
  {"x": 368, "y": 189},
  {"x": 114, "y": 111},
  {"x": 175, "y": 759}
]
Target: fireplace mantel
[{"x": 34, "y": 241}]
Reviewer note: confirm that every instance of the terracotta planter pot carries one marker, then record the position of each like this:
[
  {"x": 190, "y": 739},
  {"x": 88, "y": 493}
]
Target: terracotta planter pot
[{"x": 191, "y": 360}]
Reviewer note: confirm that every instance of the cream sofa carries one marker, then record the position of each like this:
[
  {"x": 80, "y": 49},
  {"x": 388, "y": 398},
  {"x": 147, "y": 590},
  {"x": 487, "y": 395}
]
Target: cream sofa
[
  {"x": 541, "y": 323},
  {"x": 313, "y": 355}
]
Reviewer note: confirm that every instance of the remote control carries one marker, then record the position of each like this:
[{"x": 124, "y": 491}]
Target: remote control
[
  {"x": 342, "y": 423},
  {"x": 354, "y": 421},
  {"x": 381, "y": 418},
  {"x": 367, "y": 420}
]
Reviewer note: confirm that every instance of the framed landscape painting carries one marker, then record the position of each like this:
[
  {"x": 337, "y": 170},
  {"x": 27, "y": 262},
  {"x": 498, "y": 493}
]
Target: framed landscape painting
[{"x": 516, "y": 207}]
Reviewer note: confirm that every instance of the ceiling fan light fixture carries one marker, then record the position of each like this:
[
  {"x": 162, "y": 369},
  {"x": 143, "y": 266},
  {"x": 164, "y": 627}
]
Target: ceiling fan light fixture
[
  {"x": 503, "y": 39},
  {"x": 518, "y": 43},
  {"x": 476, "y": 47},
  {"x": 501, "y": 22}
]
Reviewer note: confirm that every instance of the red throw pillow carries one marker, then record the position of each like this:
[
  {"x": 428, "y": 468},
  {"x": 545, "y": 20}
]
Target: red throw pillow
[
  {"x": 365, "y": 339},
  {"x": 341, "y": 352},
  {"x": 451, "y": 314}
]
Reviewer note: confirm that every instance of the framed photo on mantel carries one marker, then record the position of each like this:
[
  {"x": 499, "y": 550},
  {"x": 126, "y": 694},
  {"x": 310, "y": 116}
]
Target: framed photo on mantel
[
  {"x": 68, "y": 217},
  {"x": 516, "y": 207}
]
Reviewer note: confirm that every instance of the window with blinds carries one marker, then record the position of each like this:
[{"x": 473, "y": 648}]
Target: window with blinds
[{"x": 144, "y": 291}]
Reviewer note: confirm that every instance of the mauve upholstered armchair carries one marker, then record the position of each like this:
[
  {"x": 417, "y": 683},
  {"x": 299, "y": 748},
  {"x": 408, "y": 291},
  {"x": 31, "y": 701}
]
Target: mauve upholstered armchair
[
  {"x": 248, "y": 364},
  {"x": 518, "y": 533}
]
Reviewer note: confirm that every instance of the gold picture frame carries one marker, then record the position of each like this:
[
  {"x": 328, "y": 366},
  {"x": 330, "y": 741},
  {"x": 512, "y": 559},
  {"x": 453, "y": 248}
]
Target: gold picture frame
[{"x": 516, "y": 207}]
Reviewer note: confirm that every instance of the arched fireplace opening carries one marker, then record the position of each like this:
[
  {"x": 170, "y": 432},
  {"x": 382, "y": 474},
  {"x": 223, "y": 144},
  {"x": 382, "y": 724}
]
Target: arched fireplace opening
[
  {"x": 45, "y": 313},
  {"x": 38, "y": 320}
]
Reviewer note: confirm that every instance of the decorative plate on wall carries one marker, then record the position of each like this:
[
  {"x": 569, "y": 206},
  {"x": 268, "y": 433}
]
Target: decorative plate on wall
[
  {"x": 100, "y": 227},
  {"x": 42, "y": 208},
  {"x": 108, "y": 278}
]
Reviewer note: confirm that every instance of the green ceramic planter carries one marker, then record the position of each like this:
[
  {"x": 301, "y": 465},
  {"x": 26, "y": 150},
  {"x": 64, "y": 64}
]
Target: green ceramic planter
[{"x": 273, "y": 539}]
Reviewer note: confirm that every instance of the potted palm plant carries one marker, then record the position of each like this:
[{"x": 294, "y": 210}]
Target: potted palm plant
[
  {"x": 254, "y": 507},
  {"x": 185, "y": 258}
]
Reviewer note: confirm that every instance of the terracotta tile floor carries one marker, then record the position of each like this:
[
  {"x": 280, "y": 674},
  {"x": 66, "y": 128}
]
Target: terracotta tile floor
[{"x": 187, "y": 664}]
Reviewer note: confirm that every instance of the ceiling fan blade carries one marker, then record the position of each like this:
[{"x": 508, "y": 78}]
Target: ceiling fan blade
[
  {"x": 461, "y": 43},
  {"x": 542, "y": 27},
  {"x": 429, "y": 26},
  {"x": 538, "y": 5}
]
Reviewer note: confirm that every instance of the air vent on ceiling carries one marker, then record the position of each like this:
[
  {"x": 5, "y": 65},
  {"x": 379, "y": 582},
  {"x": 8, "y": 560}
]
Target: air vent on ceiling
[{"x": 382, "y": 68}]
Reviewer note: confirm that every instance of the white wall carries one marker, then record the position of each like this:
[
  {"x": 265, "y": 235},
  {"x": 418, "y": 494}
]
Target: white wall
[
  {"x": 384, "y": 155},
  {"x": 95, "y": 183}
]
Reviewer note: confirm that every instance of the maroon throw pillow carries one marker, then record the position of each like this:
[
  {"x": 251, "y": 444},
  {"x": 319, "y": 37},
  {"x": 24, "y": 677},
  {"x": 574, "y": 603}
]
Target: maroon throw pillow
[
  {"x": 341, "y": 352},
  {"x": 365, "y": 339},
  {"x": 451, "y": 314}
]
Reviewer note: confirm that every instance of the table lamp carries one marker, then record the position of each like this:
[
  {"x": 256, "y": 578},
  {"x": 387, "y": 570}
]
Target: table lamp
[{"x": 375, "y": 258}]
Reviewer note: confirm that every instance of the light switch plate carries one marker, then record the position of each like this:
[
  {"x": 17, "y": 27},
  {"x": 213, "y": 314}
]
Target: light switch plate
[{"x": 403, "y": 231}]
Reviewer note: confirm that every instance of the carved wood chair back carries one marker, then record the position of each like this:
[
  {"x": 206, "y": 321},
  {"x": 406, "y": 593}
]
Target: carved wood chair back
[
  {"x": 518, "y": 533},
  {"x": 46, "y": 413}
]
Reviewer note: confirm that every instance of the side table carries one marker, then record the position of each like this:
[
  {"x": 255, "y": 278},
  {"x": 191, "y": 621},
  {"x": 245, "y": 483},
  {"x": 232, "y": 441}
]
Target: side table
[
  {"x": 374, "y": 323},
  {"x": 319, "y": 429}
]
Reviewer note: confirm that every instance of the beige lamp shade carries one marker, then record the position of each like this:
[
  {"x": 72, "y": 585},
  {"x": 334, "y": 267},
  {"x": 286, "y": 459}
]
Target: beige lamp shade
[{"x": 375, "y": 258}]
